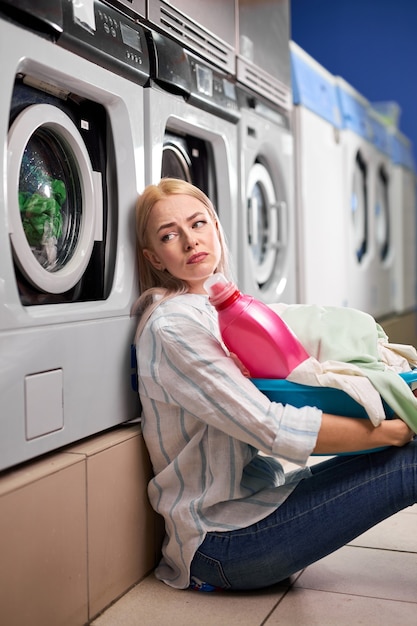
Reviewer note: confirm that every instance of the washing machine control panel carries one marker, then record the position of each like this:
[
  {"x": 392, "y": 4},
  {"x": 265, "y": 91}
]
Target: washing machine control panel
[
  {"x": 180, "y": 72},
  {"x": 107, "y": 38},
  {"x": 213, "y": 91}
]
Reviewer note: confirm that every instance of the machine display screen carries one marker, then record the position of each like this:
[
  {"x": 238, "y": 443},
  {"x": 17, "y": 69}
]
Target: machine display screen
[
  {"x": 130, "y": 37},
  {"x": 204, "y": 80},
  {"x": 229, "y": 90}
]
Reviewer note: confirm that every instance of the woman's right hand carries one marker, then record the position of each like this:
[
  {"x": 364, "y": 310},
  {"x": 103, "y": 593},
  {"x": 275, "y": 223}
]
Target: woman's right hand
[
  {"x": 398, "y": 432},
  {"x": 339, "y": 434}
]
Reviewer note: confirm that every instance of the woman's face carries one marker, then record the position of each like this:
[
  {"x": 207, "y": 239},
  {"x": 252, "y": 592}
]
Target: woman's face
[{"x": 183, "y": 239}]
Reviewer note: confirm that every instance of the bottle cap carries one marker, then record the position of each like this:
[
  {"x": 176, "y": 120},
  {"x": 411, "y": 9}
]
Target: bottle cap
[{"x": 220, "y": 289}]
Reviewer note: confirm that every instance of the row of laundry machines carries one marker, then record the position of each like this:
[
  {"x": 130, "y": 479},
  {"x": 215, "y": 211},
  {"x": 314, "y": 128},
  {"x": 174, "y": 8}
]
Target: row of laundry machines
[
  {"x": 355, "y": 196},
  {"x": 100, "y": 98}
]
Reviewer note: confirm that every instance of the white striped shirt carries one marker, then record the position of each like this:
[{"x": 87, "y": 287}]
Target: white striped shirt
[{"x": 204, "y": 424}]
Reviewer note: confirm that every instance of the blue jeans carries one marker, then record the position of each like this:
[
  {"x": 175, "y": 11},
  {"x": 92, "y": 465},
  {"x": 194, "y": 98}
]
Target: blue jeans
[{"x": 344, "y": 497}]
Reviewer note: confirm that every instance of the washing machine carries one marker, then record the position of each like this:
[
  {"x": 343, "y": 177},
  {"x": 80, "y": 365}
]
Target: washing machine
[
  {"x": 358, "y": 193},
  {"x": 318, "y": 182},
  {"x": 71, "y": 167},
  {"x": 191, "y": 128},
  {"x": 404, "y": 223},
  {"x": 383, "y": 218},
  {"x": 266, "y": 221}
]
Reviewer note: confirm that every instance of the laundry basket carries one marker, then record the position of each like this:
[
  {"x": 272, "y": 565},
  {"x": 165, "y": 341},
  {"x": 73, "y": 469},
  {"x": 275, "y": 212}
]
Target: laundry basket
[{"x": 328, "y": 399}]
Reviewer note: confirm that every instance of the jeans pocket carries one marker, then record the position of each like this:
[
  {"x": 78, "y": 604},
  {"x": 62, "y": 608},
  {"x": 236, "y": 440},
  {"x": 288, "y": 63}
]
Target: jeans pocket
[{"x": 209, "y": 570}]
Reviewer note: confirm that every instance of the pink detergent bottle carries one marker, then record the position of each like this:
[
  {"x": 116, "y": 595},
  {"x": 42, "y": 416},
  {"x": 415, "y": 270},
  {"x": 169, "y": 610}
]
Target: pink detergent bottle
[{"x": 250, "y": 329}]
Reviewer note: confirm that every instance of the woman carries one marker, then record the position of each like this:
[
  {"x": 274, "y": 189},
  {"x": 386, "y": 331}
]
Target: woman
[{"x": 233, "y": 518}]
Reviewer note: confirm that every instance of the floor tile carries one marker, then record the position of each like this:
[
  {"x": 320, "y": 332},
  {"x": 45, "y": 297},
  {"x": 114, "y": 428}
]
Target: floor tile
[
  {"x": 317, "y": 608},
  {"x": 395, "y": 533},
  {"x": 364, "y": 572},
  {"x": 411, "y": 509},
  {"x": 152, "y": 603}
]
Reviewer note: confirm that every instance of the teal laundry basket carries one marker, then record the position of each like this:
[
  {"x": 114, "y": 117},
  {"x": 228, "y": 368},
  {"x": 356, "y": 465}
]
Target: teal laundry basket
[{"x": 328, "y": 399}]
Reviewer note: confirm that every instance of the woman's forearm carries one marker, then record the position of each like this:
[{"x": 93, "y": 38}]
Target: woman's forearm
[{"x": 345, "y": 434}]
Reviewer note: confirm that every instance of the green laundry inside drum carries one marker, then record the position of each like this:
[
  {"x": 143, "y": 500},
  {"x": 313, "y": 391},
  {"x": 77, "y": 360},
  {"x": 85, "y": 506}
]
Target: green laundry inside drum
[
  {"x": 42, "y": 196},
  {"x": 41, "y": 216}
]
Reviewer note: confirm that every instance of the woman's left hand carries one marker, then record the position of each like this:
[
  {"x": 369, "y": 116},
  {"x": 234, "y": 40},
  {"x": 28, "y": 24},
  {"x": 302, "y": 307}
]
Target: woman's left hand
[{"x": 240, "y": 365}]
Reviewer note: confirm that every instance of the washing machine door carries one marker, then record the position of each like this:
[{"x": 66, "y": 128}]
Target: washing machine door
[
  {"x": 265, "y": 227},
  {"x": 359, "y": 209},
  {"x": 189, "y": 158},
  {"x": 382, "y": 218},
  {"x": 176, "y": 160},
  {"x": 51, "y": 198}
]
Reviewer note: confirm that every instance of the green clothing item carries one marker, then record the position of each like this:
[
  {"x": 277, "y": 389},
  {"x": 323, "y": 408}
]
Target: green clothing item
[{"x": 41, "y": 216}]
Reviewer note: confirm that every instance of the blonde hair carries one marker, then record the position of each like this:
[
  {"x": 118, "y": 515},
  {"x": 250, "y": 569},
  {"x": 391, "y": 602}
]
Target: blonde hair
[{"x": 160, "y": 283}]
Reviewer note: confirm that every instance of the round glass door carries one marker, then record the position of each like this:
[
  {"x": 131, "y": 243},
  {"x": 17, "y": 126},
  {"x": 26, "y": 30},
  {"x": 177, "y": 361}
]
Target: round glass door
[
  {"x": 382, "y": 221},
  {"x": 264, "y": 225},
  {"x": 51, "y": 198},
  {"x": 359, "y": 209}
]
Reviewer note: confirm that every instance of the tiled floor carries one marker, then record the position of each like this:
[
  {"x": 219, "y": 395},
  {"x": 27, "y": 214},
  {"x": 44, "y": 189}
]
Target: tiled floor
[{"x": 371, "y": 581}]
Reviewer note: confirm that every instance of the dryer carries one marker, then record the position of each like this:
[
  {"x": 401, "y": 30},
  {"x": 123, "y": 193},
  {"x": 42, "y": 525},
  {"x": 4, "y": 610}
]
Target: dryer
[
  {"x": 44, "y": 17},
  {"x": 266, "y": 221},
  {"x": 262, "y": 49},
  {"x": 191, "y": 127},
  {"x": 358, "y": 199},
  {"x": 71, "y": 170},
  {"x": 206, "y": 28},
  {"x": 404, "y": 223},
  {"x": 318, "y": 182},
  {"x": 382, "y": 218}
]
